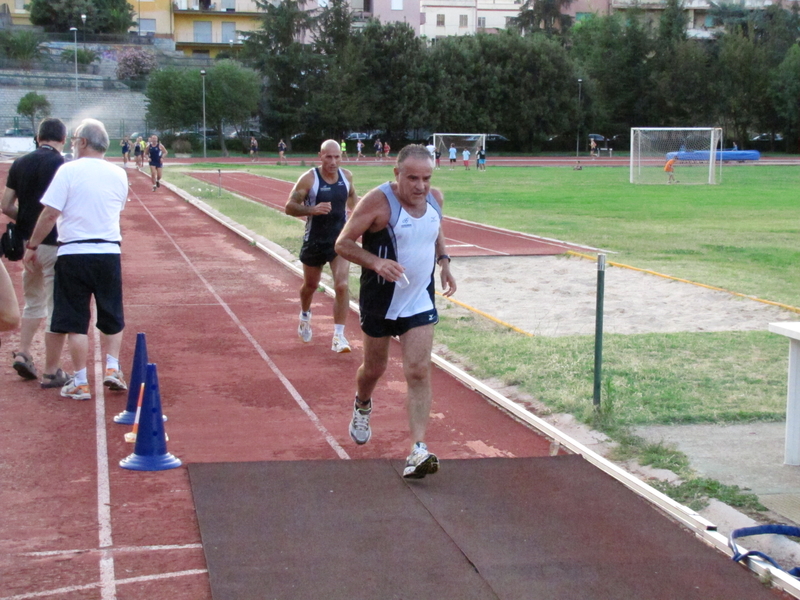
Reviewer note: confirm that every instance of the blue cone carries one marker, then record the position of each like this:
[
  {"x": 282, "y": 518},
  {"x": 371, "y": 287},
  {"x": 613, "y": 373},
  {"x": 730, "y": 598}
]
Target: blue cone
[
  {"x": 137, "y": 375},
  {"x": 150, "y": 452}
]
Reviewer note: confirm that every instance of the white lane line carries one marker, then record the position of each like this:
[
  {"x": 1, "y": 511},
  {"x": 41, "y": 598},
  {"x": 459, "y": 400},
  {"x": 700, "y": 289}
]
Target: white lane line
[
  {"x": 91, "y": 586},
  {"x": 340, "y": 452},
  {"x": 107, "y": 587},
  {"x": 114, "y": 550}
]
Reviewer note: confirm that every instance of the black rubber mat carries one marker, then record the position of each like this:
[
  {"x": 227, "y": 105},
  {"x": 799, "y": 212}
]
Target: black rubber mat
[{"x": 521, "y": 528}]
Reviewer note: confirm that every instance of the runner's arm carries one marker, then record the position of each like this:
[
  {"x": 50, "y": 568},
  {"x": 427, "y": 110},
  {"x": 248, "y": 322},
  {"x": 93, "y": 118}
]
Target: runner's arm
[
  {"x": 9, "y": 308},
  {"x": 448, "y": 280},
  {"x": 371, "y": 213},
  {"x": 296, "y": 206}
]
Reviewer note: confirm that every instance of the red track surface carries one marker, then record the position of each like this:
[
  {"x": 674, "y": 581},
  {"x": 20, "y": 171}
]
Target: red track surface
[
  {"x": 236, "y": 384},
  {"x": 464, "y": 238}
]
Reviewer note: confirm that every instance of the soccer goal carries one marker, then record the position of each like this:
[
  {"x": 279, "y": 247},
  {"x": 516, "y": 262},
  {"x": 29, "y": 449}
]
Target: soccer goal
[
  {"x": 695, "y": 150},
  {"x": 471, "y": 141}
]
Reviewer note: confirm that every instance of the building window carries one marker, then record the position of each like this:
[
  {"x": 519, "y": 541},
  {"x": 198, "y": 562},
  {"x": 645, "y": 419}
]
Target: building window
[
  {"x": 440, "y": 20},
  {"x": 583, "y": 16},
  {"x": 147, "y": 26},
  {"x": 422, "y": 18},
  {"x": 228, "y": 4},
  {"x": 228, "y": 32},
  {"x": 202, "y": 32},
  {"x": 481, "y": 22},
  {"x": 397, "y": 4},
  {"x": 709, "y": 21},
  {"x": 462, "y": 21},
  {"x": 19, "y": 4}
]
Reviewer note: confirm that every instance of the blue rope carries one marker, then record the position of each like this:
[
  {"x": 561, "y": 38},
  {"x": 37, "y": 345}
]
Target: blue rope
[{"x": 738, "y": 556}]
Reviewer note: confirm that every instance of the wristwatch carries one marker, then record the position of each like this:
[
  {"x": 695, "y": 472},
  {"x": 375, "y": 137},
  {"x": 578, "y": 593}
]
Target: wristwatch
[{"x": 441, "y": 256}]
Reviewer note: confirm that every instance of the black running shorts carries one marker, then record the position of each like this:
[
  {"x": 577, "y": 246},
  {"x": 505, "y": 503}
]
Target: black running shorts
[
  {"x": 378, "y": 327},
  {"x": 78, "y": 278}
]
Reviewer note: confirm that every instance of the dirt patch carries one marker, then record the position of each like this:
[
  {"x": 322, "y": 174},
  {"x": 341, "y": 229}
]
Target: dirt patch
[{"x": 557, "y": 295}]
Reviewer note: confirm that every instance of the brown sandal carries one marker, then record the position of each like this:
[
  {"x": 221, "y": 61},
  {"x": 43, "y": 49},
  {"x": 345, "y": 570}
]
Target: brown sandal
[{"x": 24, "y": 367}]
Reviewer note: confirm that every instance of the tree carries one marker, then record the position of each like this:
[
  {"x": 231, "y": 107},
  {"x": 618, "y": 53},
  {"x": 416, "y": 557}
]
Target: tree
[
  {"x": 21, "y": 45},
  {"x": 785, "y": 94},
  {"x": 286, "y": 63},
  {"x": 672, "y": 25},
  {"x": 102, "y": 16},
  {"x": 175, "y": 97},
  {"x": 33, "y": 105},
  {"x": 543, "y": 15}
]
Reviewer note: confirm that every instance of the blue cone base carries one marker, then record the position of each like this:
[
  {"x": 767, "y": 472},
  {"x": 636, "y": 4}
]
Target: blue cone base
[
  {"x": 127, "y": 417},
  {"x": 135, "y": 462}
]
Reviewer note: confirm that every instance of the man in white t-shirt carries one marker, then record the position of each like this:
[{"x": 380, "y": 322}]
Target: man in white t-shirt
[{"x": 85, "y": 199}]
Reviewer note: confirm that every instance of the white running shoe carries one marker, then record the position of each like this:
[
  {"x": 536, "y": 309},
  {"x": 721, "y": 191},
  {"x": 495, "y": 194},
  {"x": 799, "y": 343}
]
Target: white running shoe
[
  {"x": 420, "y": 463},
  {"x": 340, "y": 344},
  {"x": 359, "y": 425},
  {"x": 304, "y": 330}
]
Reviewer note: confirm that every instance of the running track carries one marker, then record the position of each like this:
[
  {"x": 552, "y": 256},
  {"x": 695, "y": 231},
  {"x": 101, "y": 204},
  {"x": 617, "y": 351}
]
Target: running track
[
  {"x": 237, "y": 385},
  {"x": 220, "y": 318},
  {"x": 464, "y": 238}
]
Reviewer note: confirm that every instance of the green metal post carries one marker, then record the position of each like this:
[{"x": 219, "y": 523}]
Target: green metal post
[{"x": 598, "y": 328}]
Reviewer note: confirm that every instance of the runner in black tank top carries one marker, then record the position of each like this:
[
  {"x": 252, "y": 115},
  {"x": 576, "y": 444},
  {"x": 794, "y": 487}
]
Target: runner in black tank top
[{"x": 323, "y": 195}]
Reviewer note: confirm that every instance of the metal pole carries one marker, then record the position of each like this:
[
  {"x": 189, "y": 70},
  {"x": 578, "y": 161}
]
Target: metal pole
[
  {"x": 578, "y": 141},
  {"x": 203, "y": 76},
  {"x": 598, "y": 328},
  {"x": 83, "y": 18},
  {"x": 74, "y": 31}
]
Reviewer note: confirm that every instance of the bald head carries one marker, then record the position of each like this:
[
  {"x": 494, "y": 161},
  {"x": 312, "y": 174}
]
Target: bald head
[{"x": 329, "y": 145}]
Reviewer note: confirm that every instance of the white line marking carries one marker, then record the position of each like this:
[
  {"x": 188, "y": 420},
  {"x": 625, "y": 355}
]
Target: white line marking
[
  {"x": 107, "y": 587},
  {"x": 91, "y": 586},
  {"x": 340, "y": 452},
  {"x": 115, "y": 550}
]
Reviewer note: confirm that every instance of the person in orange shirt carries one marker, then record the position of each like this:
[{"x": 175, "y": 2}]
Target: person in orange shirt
[{"x": 670, "y": 169}]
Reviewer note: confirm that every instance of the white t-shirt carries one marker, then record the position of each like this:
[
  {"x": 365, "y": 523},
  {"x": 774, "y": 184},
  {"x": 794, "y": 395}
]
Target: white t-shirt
[
  {"x": 453, "y": 153},
  {"x": 465, "y": 154},
  {"x": 432, "y": 149},
  {"x": 90, "y": 193}
]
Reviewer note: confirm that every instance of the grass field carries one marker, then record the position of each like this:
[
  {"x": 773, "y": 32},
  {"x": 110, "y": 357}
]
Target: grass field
[{"x": 741, "y": 235}]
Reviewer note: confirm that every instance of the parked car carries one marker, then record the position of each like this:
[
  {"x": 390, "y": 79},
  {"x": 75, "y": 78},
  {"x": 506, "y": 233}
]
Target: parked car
[
  {"x": 244, "y": 134},
  {"x": 19, "y": 132},
  {"x": 598, "y": 139},
  {"x": 354, "y": 136},
  {"x": 766, "y": 137},
  {"x": 495, "y": 137}
]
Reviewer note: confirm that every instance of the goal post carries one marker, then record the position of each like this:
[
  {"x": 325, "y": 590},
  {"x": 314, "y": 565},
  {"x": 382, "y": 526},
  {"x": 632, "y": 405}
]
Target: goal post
[
  {"x": 470, "y": 141},
  {"x": 695, "y": 150}
]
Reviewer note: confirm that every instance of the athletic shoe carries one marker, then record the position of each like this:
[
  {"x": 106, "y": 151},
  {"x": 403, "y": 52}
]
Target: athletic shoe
[
  {"x": 359, "y": 425},
  {"x": 23, "y": 365},
  {"x": 58, "y": 380},
  {"x": 420, "y": 463},
  {"x": 304, "y": 330},
  {"x": 114, "y": 380},
  {"x": 158, "y": 183},
  {"x": 78, "y": 392},
  {"x": 340, "y": 344},
  {"x": 154, "y": 188}
]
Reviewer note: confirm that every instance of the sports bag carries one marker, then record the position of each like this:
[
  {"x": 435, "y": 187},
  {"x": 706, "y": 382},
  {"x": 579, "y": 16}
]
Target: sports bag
[{"x": 12, "y": 246}]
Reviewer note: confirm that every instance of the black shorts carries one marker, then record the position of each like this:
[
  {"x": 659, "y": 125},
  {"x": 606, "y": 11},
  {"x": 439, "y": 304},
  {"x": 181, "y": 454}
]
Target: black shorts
[
  {"x": 78, "y": 278},
  {"x": 452, "y": 160},
  {"x": 157, "y": 165},
  {"x": 379, "y": 327},
  {"x": 316, "y": 254}
]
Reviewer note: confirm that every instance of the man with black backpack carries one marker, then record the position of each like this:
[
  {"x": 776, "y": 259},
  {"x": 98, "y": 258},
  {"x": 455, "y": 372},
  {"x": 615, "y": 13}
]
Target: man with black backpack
[{"x": 29, "y": 177}]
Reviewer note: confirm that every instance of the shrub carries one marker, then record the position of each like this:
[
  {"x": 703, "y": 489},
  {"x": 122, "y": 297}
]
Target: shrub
[
  {"x": 85, "y": 57},
  {"x": 181, "y": 146},
  {"x": 135, "y": 63}
]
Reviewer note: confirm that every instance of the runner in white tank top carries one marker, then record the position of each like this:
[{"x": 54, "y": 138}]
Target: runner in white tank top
[{"x": 402, "y": 236}]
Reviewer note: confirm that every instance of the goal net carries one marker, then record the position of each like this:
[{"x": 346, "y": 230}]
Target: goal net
[
  {"x": 470, "y": 141},
  {"x": 695, "y": 150}
]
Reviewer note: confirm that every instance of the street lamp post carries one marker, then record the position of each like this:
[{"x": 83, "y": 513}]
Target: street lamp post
[
  {"x": 203, "y": 77},
  {"x": 83, "y": 18},
  {"x": 74, "y": 31},
  {"x": 578, "y": 142}
]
